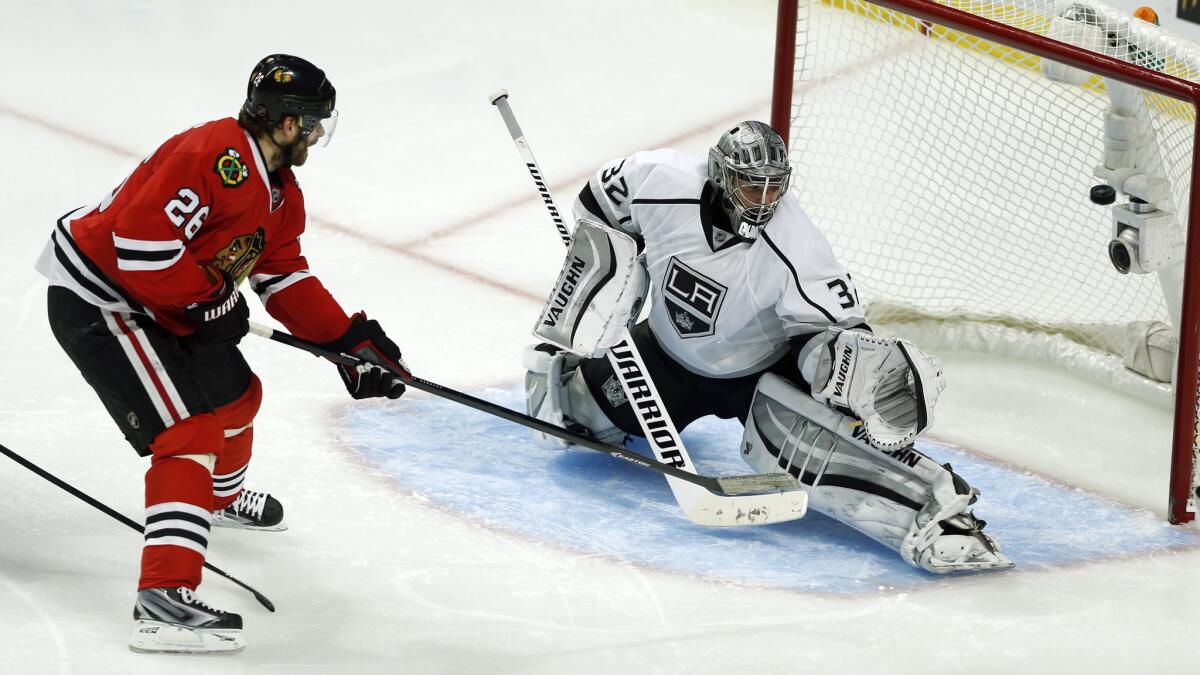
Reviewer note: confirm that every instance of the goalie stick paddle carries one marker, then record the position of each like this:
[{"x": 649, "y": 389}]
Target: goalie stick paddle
[
  {"x": 725, "y": 486},
  {"x": 115, "y": 515},
  {"x": 660, "y": 432}
]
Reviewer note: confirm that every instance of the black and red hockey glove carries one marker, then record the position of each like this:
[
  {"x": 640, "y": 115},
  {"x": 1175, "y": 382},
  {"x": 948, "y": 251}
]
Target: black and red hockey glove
[
  {"x": 366, "y": 340},
  {"x": 224, "y": 317}
]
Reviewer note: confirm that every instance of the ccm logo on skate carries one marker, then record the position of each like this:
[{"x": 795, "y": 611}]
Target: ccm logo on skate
[
  {"x": 647, "y": 407},
  {"x": 563, "y": 295}
]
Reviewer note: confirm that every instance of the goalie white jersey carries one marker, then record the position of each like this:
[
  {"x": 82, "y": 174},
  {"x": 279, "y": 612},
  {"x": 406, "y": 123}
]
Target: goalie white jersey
[{"x": 722, "y": 306}]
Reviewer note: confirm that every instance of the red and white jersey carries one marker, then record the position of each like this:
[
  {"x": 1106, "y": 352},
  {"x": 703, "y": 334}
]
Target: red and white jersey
[{"x": 203, "y": 200}]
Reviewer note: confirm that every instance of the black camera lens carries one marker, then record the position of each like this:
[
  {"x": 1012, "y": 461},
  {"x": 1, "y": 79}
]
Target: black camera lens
[{"x": 1120, "y": 255}]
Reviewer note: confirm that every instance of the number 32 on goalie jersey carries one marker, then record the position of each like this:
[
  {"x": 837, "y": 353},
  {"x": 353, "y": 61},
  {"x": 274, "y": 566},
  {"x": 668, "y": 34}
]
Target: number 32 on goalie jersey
[
  {"x": 846, "y": 294},
  {"x": 612, "y": 189}
]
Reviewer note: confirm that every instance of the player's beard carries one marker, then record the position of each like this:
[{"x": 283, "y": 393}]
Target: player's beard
[{"x": 296, "y": 153}]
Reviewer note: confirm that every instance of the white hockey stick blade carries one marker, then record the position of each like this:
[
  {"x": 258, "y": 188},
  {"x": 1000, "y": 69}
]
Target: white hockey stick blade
[{"x": 705, "y": 508}]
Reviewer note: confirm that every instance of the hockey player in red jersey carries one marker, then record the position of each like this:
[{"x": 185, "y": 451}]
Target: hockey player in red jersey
[{"x": 144, "y": 298}]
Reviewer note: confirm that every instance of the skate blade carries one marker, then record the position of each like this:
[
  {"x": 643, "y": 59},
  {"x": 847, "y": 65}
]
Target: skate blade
[
  {"x": 1000, "y": 563},
  {"x": 156, "y": 637},
  {"x": 234, "y": 525}
]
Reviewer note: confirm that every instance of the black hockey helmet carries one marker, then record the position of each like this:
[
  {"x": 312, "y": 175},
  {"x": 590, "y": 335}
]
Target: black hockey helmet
[{"x": 281, "y": 85}]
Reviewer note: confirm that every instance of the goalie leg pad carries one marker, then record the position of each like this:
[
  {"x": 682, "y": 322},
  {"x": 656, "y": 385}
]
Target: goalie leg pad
[
  {"x": 599, "y": 291},
  {"x": 901, "y": 498},
  {"x": 555, "y": 392}
]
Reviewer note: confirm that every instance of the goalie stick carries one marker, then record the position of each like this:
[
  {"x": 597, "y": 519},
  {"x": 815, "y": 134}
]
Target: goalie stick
[
  {"x": 725, "y": 486},
  {"x": 660, "y": 432}
]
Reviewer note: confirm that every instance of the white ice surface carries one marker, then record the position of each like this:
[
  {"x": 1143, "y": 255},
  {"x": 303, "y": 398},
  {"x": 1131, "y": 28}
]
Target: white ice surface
[{"x": 422, "y": 213}]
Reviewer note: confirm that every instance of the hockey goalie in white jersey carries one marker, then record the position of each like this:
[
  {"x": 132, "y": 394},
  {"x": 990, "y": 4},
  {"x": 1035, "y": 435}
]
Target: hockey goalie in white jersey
[{"x": 751, "y": 317}]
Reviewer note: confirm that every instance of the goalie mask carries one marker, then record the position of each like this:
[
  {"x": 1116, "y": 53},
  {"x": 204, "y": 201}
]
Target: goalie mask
[{"x": 749, "y": 165}]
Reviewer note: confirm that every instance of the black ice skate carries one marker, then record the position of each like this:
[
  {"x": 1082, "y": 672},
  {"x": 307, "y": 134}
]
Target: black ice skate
[
  {"x": 175, "y": 621},
  {"x": 252, "y": 511}
]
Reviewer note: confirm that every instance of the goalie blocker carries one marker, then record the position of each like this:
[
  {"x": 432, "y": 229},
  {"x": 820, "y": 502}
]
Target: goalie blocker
[{"x": 599, "y": 291}]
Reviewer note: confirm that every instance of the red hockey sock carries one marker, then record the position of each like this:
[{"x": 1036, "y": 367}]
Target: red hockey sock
[
  {"x": 237, "y": 419},
  {"x": 178, "y": 504}
]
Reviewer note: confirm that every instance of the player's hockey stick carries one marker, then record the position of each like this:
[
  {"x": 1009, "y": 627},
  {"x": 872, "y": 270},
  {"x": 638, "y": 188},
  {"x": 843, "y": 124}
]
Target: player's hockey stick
[
  {"x": 648, "y": 408},
  {"x": 119, "y": 517},
  {"x": 727, "y": 486}
]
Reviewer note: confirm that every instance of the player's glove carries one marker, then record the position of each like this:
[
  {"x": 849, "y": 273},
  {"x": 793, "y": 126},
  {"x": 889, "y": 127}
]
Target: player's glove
[
  {"x": 223, "y": 318},
  {"x": 366, "y": 340}
]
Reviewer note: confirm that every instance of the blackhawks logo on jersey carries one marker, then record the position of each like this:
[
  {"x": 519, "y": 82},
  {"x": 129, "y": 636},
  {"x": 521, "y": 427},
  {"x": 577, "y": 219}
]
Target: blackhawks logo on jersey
[
  {"x": 239, "y": 256},
  {"x": 230, "y": 168}
]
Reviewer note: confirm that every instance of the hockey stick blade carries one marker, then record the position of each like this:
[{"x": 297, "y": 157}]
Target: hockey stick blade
[
  {"x": 120, "y": 518},
  {"x": 771, "y": 487},
  {"x": 758, "y": 483},
  {"x": 708, "y": 509}
]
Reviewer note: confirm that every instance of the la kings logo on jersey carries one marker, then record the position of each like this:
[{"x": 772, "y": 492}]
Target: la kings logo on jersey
[{"x": 693, "y": 301}]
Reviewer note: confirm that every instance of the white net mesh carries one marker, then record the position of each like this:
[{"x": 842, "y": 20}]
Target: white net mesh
[{"x": 952, "y": 175}]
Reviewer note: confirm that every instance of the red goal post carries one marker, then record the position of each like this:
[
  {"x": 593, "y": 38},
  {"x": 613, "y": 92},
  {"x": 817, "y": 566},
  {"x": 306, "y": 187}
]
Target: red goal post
[{"x": 1186, "y": 435}]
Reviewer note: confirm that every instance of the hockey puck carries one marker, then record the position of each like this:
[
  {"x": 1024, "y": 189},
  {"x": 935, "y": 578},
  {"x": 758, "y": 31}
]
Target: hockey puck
[{"x": 1102, "y": 195}]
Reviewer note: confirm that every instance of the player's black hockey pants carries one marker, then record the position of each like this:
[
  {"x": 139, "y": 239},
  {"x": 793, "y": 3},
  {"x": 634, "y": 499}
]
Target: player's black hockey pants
[{"x": 147, "y": 377}]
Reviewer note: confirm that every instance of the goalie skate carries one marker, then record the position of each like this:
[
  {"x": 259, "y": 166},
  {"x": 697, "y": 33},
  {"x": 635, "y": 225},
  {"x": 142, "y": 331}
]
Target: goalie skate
[
  {"x": 252, "y": 511},
  {"x": 962, "y": 547},
  {"x": 945, "y": 537},
  {"x": 175, "y": 621}
]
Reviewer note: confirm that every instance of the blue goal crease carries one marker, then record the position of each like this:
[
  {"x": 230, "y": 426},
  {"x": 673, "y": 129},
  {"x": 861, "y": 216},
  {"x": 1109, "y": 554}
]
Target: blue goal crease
[{"x": 489, "y": 470}]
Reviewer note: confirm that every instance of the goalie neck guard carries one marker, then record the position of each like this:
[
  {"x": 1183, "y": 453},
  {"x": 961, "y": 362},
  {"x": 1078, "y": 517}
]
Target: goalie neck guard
[{"x": 749, "y": 166}]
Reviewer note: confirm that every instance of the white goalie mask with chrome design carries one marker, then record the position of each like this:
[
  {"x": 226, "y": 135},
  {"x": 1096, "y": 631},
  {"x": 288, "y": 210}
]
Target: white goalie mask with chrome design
[{"x": 749, "y": 165}]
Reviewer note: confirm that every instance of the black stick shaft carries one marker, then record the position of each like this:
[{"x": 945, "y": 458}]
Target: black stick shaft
[
  {"x": 707, "y": 482},
  {"x": 119, "y": 517}
]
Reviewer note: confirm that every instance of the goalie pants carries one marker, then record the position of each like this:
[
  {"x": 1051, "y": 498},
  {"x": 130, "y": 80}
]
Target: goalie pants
[
  {"x": 189, "y": 408},
  {"x": 688, "y": 396}
]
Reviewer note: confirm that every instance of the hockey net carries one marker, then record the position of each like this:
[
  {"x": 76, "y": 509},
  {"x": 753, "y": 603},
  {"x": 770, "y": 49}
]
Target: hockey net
[{"x": 951, "y": 174}]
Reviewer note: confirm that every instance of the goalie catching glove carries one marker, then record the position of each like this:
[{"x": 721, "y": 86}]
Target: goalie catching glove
[
  {"x": 887, "y": 383},
  {"x": 366, "y": 340}
]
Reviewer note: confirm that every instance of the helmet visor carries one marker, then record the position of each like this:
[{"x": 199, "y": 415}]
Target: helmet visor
[{"x": 319, "y": 130}]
